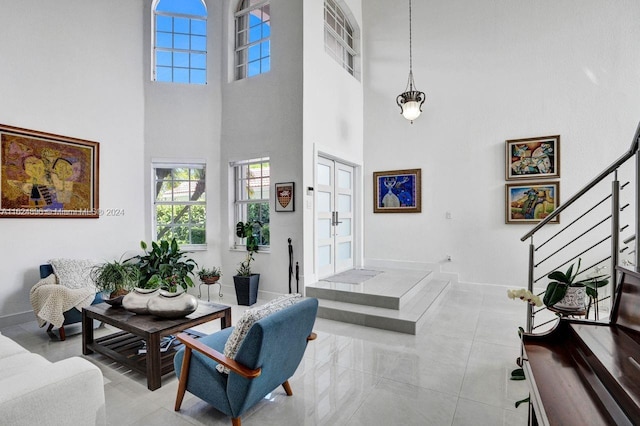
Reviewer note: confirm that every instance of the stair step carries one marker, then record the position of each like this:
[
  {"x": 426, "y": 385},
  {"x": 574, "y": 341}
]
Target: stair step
[
  {"x": 391, "y": 289},
  {"x": 407, "y": 320}
]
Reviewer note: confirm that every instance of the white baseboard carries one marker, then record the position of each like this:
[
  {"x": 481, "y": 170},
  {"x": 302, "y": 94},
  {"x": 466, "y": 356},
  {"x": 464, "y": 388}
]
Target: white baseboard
[{"x": 14, "y": 319}]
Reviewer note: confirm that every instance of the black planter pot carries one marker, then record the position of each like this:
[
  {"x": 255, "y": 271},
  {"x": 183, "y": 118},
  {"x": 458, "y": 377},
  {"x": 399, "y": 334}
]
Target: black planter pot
[{"x": 246, "y": 289}]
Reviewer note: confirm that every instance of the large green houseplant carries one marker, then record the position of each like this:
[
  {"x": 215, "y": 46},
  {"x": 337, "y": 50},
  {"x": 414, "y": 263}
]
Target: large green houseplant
[{"x": 165, "y": 266}]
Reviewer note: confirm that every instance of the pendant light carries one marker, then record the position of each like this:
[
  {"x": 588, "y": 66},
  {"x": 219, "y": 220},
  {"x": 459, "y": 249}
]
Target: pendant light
[{"x": 410, "y": 102}]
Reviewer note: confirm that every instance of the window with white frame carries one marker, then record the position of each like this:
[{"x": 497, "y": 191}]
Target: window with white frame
[
  {"x": 253, "y": 38},
  {"x": 180, "y": 41},
  {"x": 251, "y": 201},
  {"x": 339, "y": 36},
  {"x": 179, "y": 204}
]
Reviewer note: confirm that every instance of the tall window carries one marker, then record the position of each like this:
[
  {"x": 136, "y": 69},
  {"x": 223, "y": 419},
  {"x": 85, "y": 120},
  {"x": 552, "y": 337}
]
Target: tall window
[
  {"x": 339, "y": 36},
  {"x": 180, "y": 41},
  {"x": 179, "y": 203},
  {"x": 253, "y": 38},
  {"x": 252, "y": 183}
]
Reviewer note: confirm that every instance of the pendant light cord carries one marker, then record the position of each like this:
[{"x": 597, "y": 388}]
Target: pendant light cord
[{"x": 410, "y": 43}]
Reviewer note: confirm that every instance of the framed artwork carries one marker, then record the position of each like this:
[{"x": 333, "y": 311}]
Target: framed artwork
[
  {"x": 533, "y": 158},
  {"x": 47, "y": 175},
  {"x": 285, "y": 197},
  {"x": 397, "y": 191},
  {"x": 531, "y": 202}
]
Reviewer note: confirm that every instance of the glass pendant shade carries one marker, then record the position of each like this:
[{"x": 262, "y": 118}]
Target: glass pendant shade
[{"x": 410, "y": 104}]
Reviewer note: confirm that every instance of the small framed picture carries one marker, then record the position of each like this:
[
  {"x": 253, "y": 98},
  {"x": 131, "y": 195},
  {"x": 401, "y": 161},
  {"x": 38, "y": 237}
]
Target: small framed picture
[
  {"x": 285, "y": 197},
  {"x": 531, "y": 202},
  {"x": 533, "y": 158},
  {"x": 397, "y": 191}
]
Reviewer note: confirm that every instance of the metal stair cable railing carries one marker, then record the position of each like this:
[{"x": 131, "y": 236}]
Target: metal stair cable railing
[{"x": 586, "y": 235}]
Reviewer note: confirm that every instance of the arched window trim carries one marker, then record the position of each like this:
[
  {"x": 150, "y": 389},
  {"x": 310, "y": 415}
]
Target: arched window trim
[
  {"x": 155, "y": 48},
  {"x": 354, "y": 50}
]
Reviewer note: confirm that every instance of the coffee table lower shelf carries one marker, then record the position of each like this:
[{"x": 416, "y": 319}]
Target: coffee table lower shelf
[{"x": 123, "y": 347}]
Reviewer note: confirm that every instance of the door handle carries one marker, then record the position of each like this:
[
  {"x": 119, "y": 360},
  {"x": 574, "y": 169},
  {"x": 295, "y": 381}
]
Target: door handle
[{"x": 335, "y": 216}]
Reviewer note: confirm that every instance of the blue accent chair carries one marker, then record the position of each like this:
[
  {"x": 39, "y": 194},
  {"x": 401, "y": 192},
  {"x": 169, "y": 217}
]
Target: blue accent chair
[
  {"x": 268, "y": 356},
  {"x": 71, "y": 316}
]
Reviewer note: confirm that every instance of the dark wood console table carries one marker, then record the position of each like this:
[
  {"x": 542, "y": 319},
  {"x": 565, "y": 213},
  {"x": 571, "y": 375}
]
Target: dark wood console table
[{"x": 123, "y": 346}]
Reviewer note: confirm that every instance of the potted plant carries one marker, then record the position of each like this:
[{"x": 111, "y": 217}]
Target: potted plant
[
  {"x": 210, "y": 276},
  {"x": 165, "y": 266},
  {"x": 115, "y": 279},
  {"x": 246, "y": 282},
  {"x": 566, "y": 293}
]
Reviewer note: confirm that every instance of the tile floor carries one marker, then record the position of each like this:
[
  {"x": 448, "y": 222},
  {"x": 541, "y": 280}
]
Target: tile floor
[{"x": 454, "y": 372}]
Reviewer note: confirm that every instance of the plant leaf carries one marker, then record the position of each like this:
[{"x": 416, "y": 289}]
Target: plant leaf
[
  {"x": 522, "y": 401},
  {"x": 558, "y": 276},
  {"x": 554, "y": 293}
]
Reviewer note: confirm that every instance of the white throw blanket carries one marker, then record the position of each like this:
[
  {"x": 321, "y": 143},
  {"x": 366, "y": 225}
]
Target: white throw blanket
[{"x": 50, "y": 300}]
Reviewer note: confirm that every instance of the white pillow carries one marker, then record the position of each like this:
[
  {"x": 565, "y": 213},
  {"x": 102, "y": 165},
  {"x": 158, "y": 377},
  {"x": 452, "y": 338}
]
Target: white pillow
[
  {"x": 249, "y": 317},
  {"x": 73, "y": 273}
]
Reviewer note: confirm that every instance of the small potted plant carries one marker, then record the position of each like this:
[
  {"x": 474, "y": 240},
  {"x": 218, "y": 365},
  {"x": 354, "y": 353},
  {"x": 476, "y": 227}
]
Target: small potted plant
[
  {"x": 210, "y": 276},
  {"x": 564, "y": 292},
  {"x": 115, "y": 279},
  {"x": 246, "y": 282}
]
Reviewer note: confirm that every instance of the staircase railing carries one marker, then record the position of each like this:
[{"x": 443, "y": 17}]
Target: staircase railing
[{"x": 584, "y": 237}]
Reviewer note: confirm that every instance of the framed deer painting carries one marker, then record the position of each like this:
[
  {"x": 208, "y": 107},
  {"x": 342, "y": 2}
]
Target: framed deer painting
[{"x": 397, "y": 191}]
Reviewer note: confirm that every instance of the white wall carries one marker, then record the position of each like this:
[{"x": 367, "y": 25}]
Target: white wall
[
  {"x": 333, "y": 117},
  {"x": 66, "y": 71},
  {"x": 262, "y": 116},
  {"x": 491, "y": 71},
  {"x": 182, "y": 122}
]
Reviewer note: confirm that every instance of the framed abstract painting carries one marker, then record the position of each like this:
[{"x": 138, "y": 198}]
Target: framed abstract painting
[
  {"x": 531, "y": 202},
  {"x": 533, "y": 158},
  {"x": 47, "y": 176},
  {"x": 397, "y": 191}
]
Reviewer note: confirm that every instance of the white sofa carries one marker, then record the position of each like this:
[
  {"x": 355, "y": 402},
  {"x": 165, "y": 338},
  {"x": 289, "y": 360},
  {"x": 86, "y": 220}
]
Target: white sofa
[{"x": 34, "y": 391}]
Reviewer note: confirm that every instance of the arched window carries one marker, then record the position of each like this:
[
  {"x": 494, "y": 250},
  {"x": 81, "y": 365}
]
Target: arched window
[
  {"x": 339, "y": 36},
  {"x": 253, "y": 38},
  {"x": 180, "y": 41}
]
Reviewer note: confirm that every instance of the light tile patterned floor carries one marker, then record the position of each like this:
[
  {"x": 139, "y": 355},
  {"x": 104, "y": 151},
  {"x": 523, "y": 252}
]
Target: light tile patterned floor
[{"x": 454, "y": 372}]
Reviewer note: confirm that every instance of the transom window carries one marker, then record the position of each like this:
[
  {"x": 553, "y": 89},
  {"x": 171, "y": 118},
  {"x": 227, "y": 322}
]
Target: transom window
[
  {"x": 339, "y": 36},
  {"x": 252, "y": 182},
  {"x": 253, "y": 38},
  {"x": 180, "y": 41},
  {"x": 179, "y": 203}
]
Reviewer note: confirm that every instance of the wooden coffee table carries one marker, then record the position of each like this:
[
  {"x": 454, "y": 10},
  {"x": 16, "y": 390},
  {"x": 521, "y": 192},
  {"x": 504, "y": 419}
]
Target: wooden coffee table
[{"x": 123, "y": 346}]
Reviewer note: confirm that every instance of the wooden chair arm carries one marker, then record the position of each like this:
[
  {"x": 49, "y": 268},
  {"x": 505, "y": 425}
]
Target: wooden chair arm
[
  {"x": 312, "y": 336},
  {"x": 232, "y": 365}
]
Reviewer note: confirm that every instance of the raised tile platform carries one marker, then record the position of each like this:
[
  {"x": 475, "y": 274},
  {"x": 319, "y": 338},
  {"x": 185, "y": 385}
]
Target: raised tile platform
[{"x": 394, "y": 299}]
